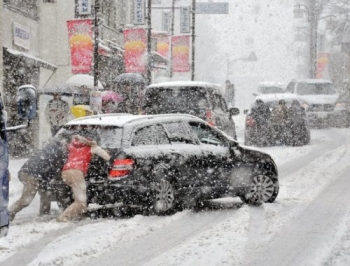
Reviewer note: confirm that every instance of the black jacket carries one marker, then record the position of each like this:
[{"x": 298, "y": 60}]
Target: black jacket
[{"x": 46, "y": 163}]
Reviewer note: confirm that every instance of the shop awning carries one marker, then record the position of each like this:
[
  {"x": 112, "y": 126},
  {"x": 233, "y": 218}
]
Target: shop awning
[
  {"x": 29, "y": 57},
  {"x": 158, "y": 58}
]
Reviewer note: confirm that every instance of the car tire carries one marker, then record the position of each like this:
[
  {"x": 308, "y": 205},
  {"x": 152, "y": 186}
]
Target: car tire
[
  {"x": 163, "y": 197},
  {"x": 264, "y": 189}
]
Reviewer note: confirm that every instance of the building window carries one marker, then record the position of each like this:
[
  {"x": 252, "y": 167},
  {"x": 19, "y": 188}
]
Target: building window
[{"x": 28, "y": 8}]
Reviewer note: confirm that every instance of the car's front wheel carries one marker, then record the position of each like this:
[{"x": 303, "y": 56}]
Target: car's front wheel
[
  {"x": 263, "y": 188},
  {"x": 163, "y": 197}
]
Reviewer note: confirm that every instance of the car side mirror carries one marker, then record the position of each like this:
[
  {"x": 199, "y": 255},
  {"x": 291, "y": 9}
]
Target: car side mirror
[
  {"x": 245, "y": 111},
  {"x": 27, "y": 102},
  {"x": 255, "y": 94},
  {"x": 233, "y": 111}
]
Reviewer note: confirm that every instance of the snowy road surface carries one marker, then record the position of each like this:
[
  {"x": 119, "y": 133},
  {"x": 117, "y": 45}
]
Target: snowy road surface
[{"x": 307, "y": 225}]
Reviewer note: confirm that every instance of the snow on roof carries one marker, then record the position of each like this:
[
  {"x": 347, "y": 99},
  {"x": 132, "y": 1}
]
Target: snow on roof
[
  {"x": 184, "y": 84},
  {"x": 120, "y": 120}
]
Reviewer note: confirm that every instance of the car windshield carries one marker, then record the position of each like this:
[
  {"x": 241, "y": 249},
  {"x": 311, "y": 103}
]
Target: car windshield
[
  {"x": 270, "y": 89},
  {"x": 175, "y": 99},
  {"x": 316, "y": 89},
  {"x": 107, "y": 137}
]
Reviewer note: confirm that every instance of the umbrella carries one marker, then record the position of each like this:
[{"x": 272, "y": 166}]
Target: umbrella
[
  {"x": 111, "y": 96},
  {"x": 130, "y": 79},
  {"x": 62, "y": 89},
  {"x": 83, "y": 80},
  {"x": 81, "y": 110}
]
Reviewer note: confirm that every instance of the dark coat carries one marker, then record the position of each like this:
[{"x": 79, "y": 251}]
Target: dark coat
[
  {"x": 46, "y": 163},
  {"x": 261, "y": 114}
]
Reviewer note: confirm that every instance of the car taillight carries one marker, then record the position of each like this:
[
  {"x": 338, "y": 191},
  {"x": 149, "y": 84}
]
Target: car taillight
[
  {"x": 250, "y": 122},
  {"x": 121, "y": 168},
  {"x": 209, "y": 117}
]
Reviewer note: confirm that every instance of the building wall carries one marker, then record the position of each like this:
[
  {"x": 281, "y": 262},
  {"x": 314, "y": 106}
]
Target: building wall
[{"x": 1, "y": 38}]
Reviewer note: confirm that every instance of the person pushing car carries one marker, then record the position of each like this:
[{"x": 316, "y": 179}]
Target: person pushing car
[{"x": 80, "y": 152}]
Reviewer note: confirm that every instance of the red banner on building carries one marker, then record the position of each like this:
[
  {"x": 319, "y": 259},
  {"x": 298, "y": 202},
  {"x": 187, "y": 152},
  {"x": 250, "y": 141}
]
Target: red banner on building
[
  {"x": 322, "y": 64},
  {"x": 135, "y": 50},
  {"x": 180, "y": 53},
  {"x": 162, "y": 44},
  {"x": 81, "y": 45}
]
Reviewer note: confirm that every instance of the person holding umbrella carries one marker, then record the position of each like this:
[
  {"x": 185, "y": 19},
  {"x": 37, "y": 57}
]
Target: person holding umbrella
[
  {"x": 56, "y": 113},
  {"x": 110, "y": 101}
]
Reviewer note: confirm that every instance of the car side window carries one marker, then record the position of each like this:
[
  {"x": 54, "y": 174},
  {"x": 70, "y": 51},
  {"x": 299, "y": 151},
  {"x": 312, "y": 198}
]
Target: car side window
[
  {"x": 207, "y": 135},
  {"x": 290, "y": 87},
  {"x": 150, "y": 135},
  {"x": 180, "y": 132}
]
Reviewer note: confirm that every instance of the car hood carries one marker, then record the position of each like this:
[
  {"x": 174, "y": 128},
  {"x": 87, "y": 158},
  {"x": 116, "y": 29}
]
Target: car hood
[{"x": 319, "y": 99}]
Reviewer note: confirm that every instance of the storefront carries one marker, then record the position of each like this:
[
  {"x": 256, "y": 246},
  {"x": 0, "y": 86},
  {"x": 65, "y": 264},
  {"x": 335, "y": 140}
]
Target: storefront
[{"x": 20, "y": 69}]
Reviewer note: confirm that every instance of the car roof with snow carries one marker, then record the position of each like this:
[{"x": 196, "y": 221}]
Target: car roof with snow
[
  {"x": 173, "y": 84},
  {"x": 312, "y": 81},
  {"x": 277, "y": 96},
  {"x": 119, "y": 120},
  {"x": 272, "y": 83}
]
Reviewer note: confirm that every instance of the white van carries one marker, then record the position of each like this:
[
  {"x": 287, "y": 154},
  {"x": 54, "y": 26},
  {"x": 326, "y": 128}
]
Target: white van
[{"x": 319, "y": 99}]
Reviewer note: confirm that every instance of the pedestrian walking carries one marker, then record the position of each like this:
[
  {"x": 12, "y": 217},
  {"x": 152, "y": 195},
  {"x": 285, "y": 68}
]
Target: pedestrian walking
[
  {"x": 56, "y": 113},
  {"x": 230, "y": 93},
  {"x": 42, "y": 166},
  {"x": 80, "y": 151}
]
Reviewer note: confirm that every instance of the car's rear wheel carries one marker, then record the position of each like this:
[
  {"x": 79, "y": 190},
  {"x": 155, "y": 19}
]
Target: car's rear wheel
[
  {"x": 263, "y": 188},
  {"x": 164, "y": 200}
]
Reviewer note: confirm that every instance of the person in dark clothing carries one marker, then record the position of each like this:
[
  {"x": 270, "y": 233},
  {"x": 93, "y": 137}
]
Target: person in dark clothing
[
  {"x": 279, "y": 119},
  {"x": 297, "y": 125},
  {"x": 261, "y": 114},
  {"x": 42, "y": 166}
]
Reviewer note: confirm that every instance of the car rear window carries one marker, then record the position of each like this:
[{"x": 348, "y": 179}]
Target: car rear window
[
  {"x": 175, "y": 99},
  {"x": 270, "y": 89},
  {"x": 316, "y": 89},
  {"x": 107, "y": 137}
]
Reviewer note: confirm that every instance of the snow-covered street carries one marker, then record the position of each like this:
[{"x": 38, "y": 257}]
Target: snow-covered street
[{"x": 307, "y": 225}]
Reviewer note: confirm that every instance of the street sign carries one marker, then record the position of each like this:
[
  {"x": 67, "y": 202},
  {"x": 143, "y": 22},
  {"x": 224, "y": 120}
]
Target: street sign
[{"x": 212, "y": 8}]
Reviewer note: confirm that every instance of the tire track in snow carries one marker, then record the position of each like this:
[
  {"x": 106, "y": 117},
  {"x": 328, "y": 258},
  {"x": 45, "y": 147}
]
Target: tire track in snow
[
  {"x": 258, "y": 222},
  {"x": 306, "y": 239},
  {"x": 141, "y": 251},
  {"x": 287, "y": 246}
]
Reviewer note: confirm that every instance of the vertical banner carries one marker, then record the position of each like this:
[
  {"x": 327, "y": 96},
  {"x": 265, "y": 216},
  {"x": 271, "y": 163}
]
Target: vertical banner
[
  {"x": 162, "y": 44},
  {"x": 166, "y": 21},
  {"x": 81, "y": 45},
  {"x": 185, "y": 25},
  {"x": 135, "y": 50},
  {"x": 322, "y": 64},
  {"x": 139, "y": 12},
  {"x": 180, "y": 53}
]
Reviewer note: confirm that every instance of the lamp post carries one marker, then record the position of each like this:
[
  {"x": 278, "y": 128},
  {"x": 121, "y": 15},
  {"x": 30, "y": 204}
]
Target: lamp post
[
  {"x": 149, "y": 42},
  {"x": 314, "y": 11},
  {"x": 96, "y": 35}
]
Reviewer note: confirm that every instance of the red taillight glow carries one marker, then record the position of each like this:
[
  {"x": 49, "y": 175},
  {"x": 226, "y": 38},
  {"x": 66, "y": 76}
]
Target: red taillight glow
[
  {"x": 250, "y": 122},
  {"x": 121, "y": 168}
]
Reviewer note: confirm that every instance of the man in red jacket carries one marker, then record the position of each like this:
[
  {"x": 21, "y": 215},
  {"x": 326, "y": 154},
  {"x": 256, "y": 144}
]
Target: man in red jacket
[{"x": 80, "y": 151}]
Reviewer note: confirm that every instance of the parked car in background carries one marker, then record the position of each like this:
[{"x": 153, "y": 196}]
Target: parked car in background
[
  {"x": 166, "y": 162},
  {"x": 270, "y": 87},
  {"x": 201, "y": 99},
  {"x": 297, "y": 127},
  {"x": 320, "y": 99}
]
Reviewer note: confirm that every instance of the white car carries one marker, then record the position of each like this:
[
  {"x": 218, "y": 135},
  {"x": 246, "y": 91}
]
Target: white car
[
  {"x": 319, "y": 99},
  {"x": 270, "y": 87}
]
